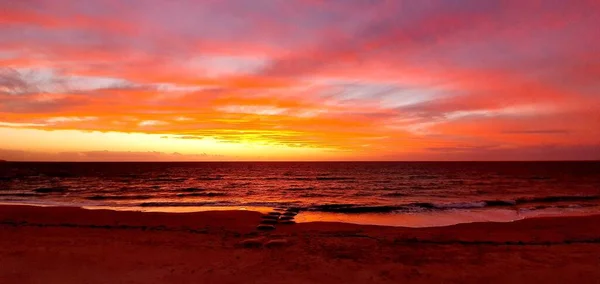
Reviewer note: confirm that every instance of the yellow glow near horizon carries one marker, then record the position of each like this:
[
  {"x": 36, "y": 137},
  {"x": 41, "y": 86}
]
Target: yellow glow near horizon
[{"x": 56, "y": 141}]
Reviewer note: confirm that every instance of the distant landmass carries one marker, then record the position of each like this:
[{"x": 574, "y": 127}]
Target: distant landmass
[{"x": 3, "y": 161}]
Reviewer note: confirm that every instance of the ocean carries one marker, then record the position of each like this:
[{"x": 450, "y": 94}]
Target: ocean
[{"x": 387, "y": 193}]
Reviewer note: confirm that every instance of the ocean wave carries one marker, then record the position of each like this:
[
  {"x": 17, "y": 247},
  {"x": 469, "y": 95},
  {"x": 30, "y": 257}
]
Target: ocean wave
[
  {"x": 169, "y": 179},
  {"x": 538, "y": 178},
  {"x": 269, "y": 204},
  {"x": 442, "y": 206},
  {"x": 334, "y": 178},
  {"x": 413, "y": 177},
  {"x": 235, "y": 185},
  {"x": 22, "y": 194},
  {"x": 312, "y": 195},
  {"x": 461, "y": 205},
  {"x": 559, "y": 206},
  {"x": 310, "y": 178},
  {"x": 59, "y": 174},
  {"x": 184, "y": 204},
  {"x": 421, "y": 205},
  {"x": 289, "y": 178},
  {"x": 350, "y": 208},
  {"x": 57, "y": 189},
  {"x": 300, "y": 188},
  {"x": 210, "y": 178},
  {"x": 118, "y": 197},
  {"x": 191, "y": 189},
  {"x": 6, "y": 178},
  {"x": 430, "y": 206},
  {"x": 499, "y": 203},
  {"x": 203, "y": 194},
  {"x": 362, "y": 194},
  {"x": 411, "y": 207},
  {"x": 394, "y": 194},
  {"x": 353, "y": 208},
  {"x": 557, "y": 198}
]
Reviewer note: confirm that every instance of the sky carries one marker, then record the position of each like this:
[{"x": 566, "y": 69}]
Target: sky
[{"x": 177, "y": 80}]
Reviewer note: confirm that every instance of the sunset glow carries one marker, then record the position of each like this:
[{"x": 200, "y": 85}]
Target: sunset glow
[{"x": 299, "y": 80}]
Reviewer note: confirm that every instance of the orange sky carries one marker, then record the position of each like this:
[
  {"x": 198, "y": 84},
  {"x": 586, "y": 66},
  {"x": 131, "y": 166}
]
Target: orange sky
[{"x": 299, "y": 80}]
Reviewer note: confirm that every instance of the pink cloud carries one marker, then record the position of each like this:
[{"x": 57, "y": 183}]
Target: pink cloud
[{"x": 423, "y": 75}]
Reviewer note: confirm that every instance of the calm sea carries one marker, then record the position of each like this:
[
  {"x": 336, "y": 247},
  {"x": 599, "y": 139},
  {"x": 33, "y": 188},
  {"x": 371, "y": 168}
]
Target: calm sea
[{"x": 393, "y": 189}]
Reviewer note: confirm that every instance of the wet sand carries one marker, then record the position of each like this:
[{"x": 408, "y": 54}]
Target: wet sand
[{"x": 71, "y": 245}]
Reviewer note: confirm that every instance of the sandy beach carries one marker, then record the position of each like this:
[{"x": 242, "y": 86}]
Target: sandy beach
[{"x": 72, "y": 245}]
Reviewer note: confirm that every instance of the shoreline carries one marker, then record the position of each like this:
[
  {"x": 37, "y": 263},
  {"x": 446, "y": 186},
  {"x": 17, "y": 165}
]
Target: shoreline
[
  {"x": 411, "y": 220},
  {"x": 51, "y": 216},
  {"x": 74, "y": 245}
]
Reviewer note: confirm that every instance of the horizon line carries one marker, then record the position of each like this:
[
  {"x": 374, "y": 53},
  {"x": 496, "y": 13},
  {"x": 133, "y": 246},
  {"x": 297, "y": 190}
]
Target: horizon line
[{"x": 315, "y": 161}]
